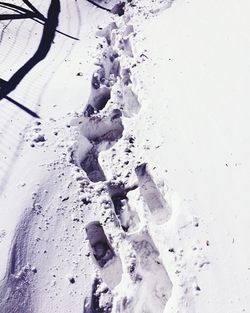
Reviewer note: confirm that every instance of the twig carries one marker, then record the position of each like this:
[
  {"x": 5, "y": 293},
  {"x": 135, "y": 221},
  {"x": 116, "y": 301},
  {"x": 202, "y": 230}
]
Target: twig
[{"x": 98, "y": 5}]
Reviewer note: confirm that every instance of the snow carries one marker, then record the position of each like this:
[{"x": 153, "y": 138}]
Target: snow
[{"x": 142, "y": 206}]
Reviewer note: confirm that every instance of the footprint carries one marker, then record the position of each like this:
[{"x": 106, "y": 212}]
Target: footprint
[
  {"x": 119, "y": 9},
  {"x": 126, "y": 47},
  {"x": 128, "y": 218},
  {"x": 97, "y": 101},
  {"x": 158, "y": 206},
  {"x": 102, "y": 81},
  {"x": 128, "y": 31},
  {"x": 106, "y": 32},
  {"x": 96, "y": 134},
  {"x": 130, "y": 102},
  {"x": 150, "y": 279},
  {"x": 108, "y": 262},
  {"x": 101, "y": 129},
  {"x": 126, "y": 74},
  {"x": 111, "y": 66},
  {"x": 100, "y": 299},
  {"x": 155, "y": 280},
  {"x": 123, "y": 41},
  {"x": 91, "y": 166}
]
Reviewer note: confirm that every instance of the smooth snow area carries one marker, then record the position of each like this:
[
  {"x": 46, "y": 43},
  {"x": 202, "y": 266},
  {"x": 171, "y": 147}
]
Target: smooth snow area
[
  {"x": 143, "y": 206},
  {"x": 200, "y": 99}
]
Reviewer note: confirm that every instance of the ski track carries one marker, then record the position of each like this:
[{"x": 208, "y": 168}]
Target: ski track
[{"x": 116, "y": 284}]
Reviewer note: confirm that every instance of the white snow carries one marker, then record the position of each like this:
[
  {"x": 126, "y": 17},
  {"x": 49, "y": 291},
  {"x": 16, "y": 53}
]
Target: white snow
[{"x": 176, "y": 74}]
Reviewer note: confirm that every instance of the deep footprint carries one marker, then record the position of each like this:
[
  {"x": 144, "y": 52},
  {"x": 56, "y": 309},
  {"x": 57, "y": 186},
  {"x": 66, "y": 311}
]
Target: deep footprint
[
  {"x": 102, "y": 129},
  {"x": 128, "y": 218},
  {"x": 155, "y": 201},
  {"x": 100, "y": 301},
  {"x": 91, "y": 166},
  {"x": 104, "y": 255},
  {"x": 102, "y": 81}
]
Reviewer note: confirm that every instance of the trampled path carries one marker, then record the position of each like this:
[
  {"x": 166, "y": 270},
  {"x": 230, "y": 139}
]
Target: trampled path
[{"x": 81, "y": 245}]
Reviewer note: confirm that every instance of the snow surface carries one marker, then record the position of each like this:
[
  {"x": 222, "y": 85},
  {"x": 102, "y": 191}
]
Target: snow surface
[{"x": 130, "y": 192}]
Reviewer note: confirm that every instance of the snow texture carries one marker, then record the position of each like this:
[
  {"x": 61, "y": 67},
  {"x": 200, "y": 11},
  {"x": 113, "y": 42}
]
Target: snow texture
[{"x": 124, "y": 156}]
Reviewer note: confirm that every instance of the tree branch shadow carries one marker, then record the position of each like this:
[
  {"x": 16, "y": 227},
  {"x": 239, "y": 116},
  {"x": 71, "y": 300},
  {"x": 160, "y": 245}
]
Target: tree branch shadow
[
  {"x": 48, "y": 35},
  {"x": 22, "y": 107},
  {"x": 23, "y": 13}
]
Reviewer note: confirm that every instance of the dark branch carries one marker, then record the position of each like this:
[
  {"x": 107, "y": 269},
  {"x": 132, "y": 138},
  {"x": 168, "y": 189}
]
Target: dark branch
[
  {"x": 4, "y": 17},
  {"x": 31, "y": 6},
  {"x": 42, "y": 51},
  {"x": 48, "y": 36},
  {"x": 14, "y": 7},
  {"x": 22, "y": 107},
  {"x": 34, "y": 14},
  {"x": 98, "y": 5}
]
